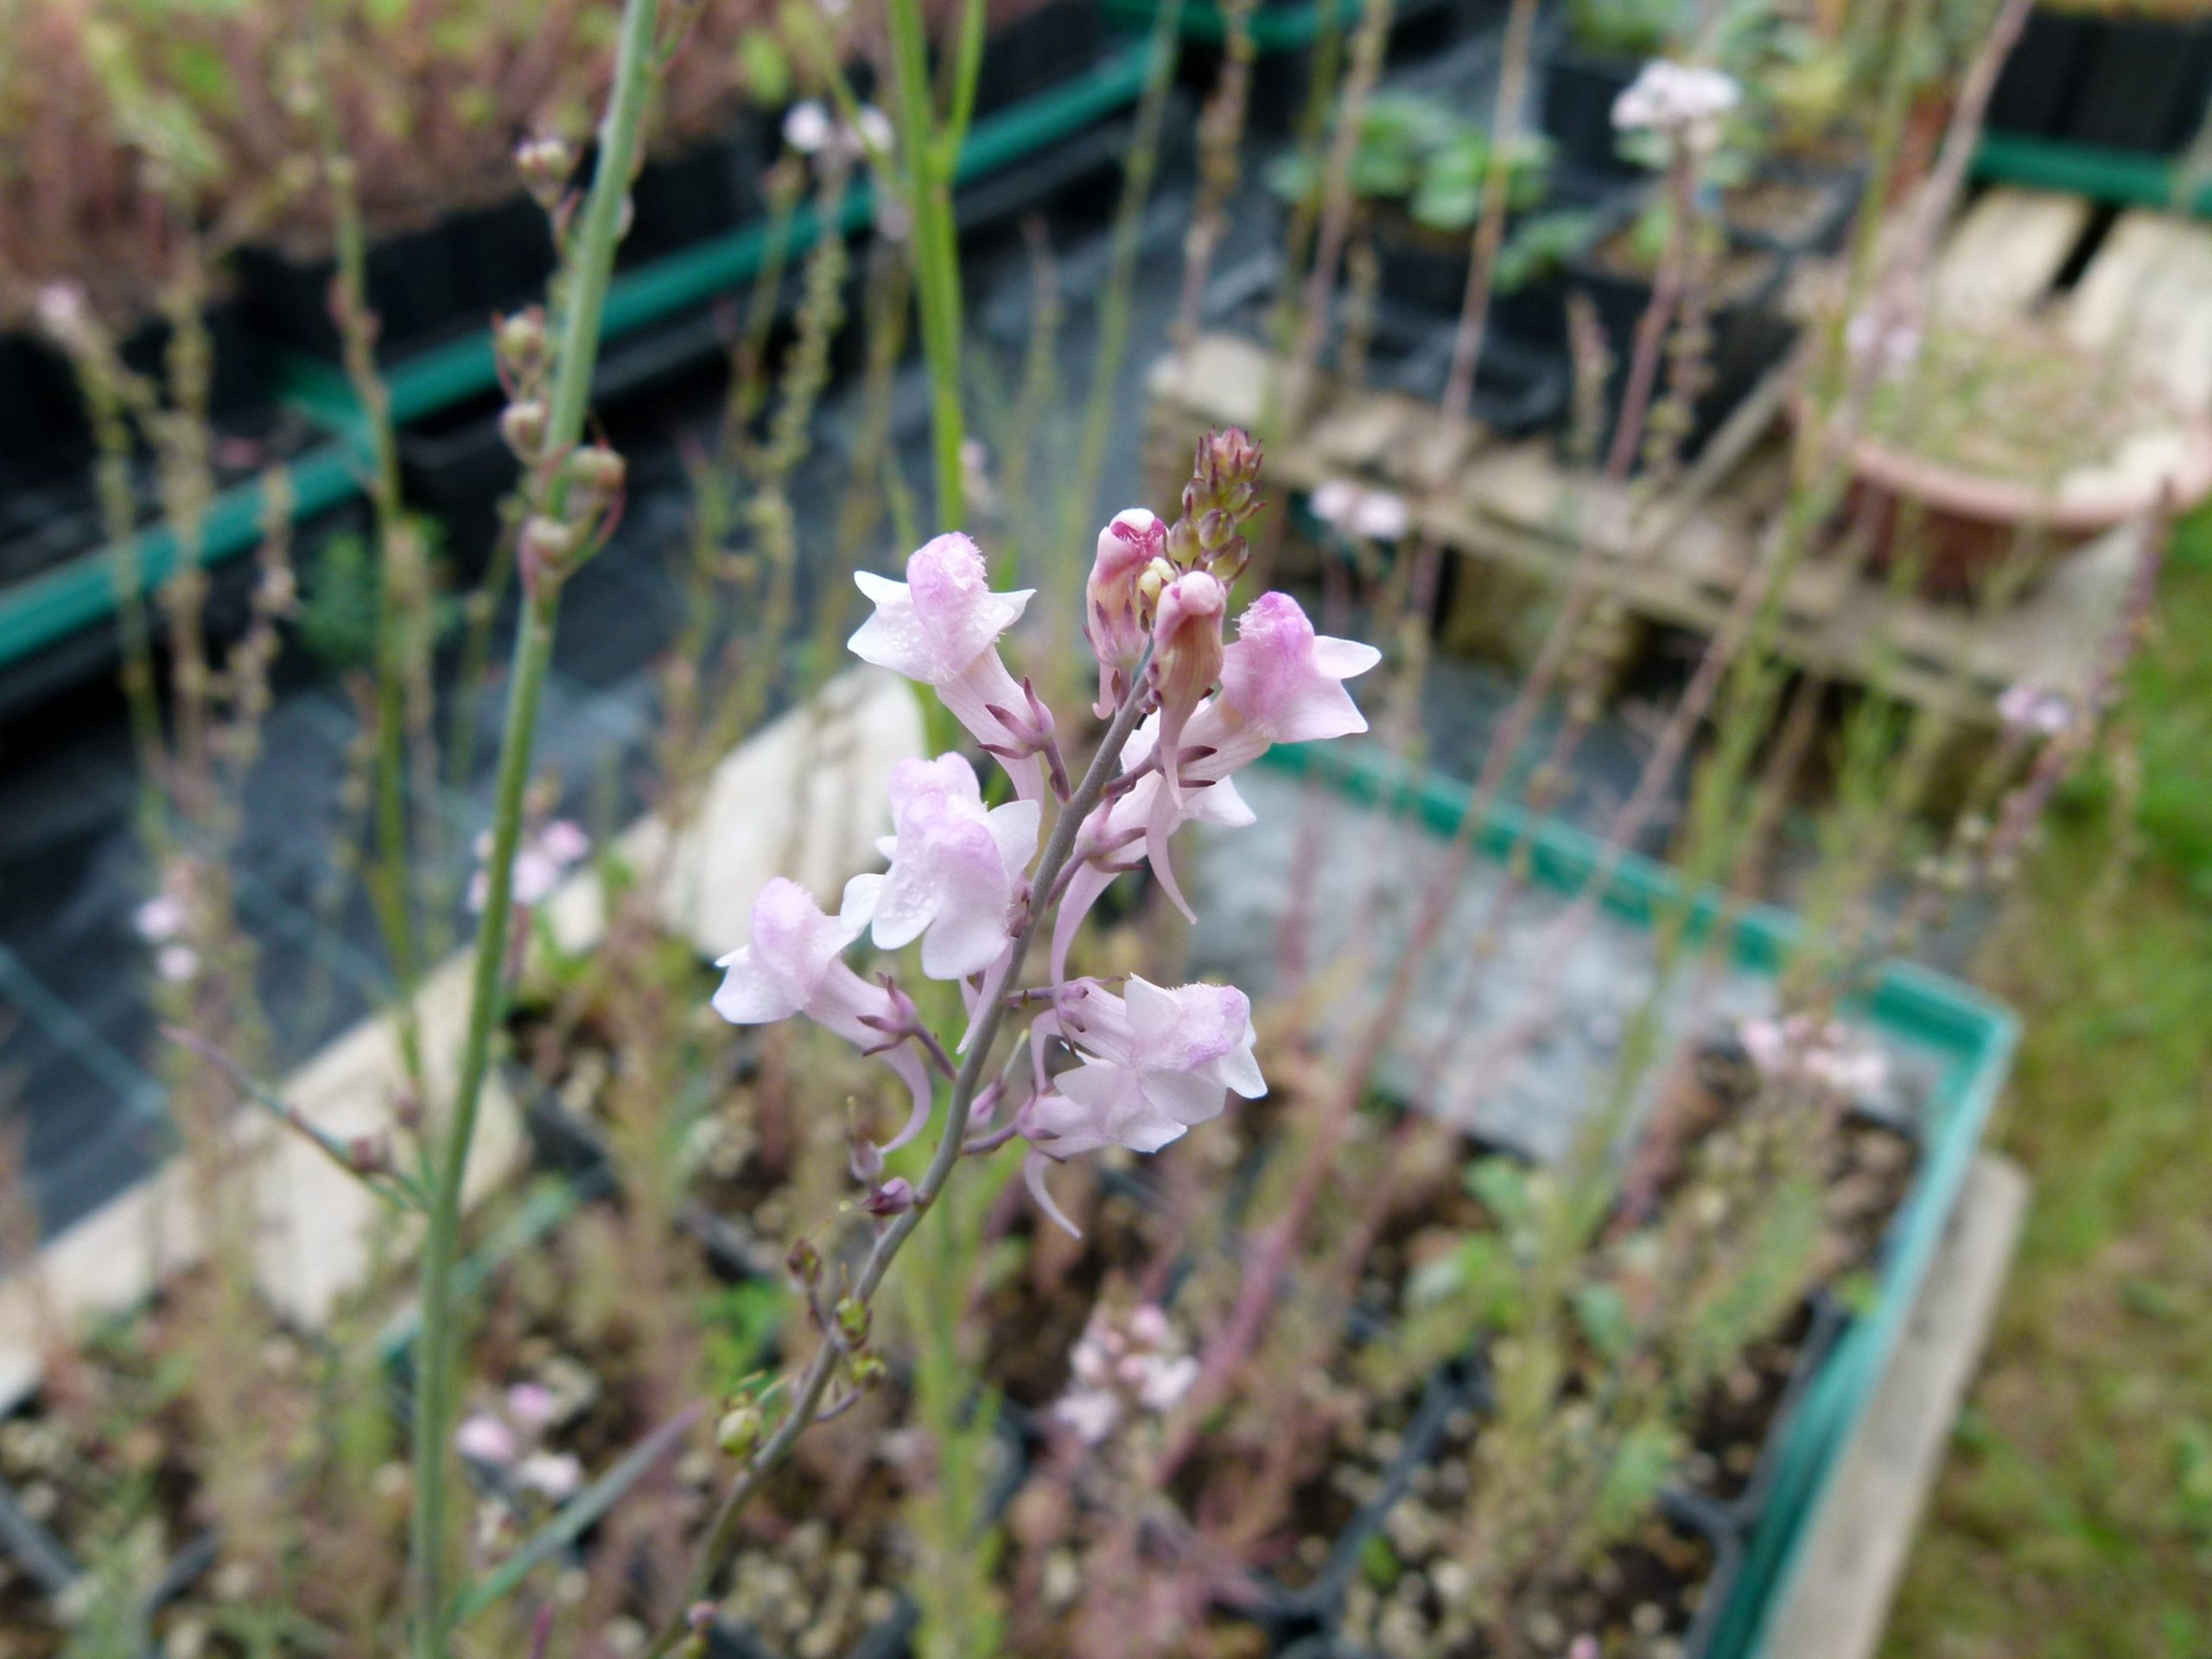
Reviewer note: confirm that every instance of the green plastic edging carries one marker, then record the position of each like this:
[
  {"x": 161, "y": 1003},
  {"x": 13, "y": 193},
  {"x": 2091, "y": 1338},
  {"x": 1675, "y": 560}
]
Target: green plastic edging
[
  {"x": 2124, "y": 177},
  {"x": 1274, "y": 29},
  {"x": 51, "y": 606},
  {"x": 48, "y": 608},
  {"x": 1975, "y": 1036}
]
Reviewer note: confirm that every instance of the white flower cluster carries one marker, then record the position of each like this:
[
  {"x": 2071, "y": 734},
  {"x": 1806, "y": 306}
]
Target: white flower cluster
[{"x": 1683, "y": 103}]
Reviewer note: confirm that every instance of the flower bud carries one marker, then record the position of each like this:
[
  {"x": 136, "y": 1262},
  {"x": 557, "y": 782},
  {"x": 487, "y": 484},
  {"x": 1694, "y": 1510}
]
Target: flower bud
[
  {"x": 547, "y": 545},
  {"x": 522, "y": 426},
  {"x": 804, "y": 1262},
  {"x": 895, "y": 1197},
  {"x": 1116, "y": 616},
  {"x": 853, "y": 1319},
  {"x": 596, "y": 473},
  {"x": 739, "y": 1432},
  {"x": 869, "y": 1372},
  {"x": 866, "y": 1160},
  {"x": 519, "y": 343},
  {"x": 546, "y": 166},
  {"x": 1187, "y": 658}
]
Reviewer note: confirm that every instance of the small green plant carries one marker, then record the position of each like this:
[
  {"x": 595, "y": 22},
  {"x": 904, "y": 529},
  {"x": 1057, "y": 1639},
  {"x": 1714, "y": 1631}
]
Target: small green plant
[
  {"x": 1427, "y": 161},
  {"x": 1625, "y": 28}
]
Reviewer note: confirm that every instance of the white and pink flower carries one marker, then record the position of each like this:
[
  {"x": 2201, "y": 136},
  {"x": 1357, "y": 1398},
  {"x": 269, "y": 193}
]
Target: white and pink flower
[
  {"x": 1152, "y": 1064},
  {"x": 794, "y": 965},
  {"x": 957, "y": 870},
  {"x": 941, "y": 627}
]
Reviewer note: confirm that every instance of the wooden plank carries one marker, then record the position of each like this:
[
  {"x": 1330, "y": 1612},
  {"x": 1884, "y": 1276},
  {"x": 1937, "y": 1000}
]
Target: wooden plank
[
  {"x": 1514, "y": 505},
  {"x": 2148, "y": 295},
  {"x": 2003, "y": 254},
  {"x": 1846, "y": 1575}
]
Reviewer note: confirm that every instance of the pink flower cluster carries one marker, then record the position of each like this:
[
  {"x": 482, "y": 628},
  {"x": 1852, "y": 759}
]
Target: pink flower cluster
[
  {"x": 1133, "y": 1068},
  {"x": 1122, "y": 1364}
]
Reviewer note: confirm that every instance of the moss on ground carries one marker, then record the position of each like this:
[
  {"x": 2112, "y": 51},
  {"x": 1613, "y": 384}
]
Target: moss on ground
[{"x": 2074, "y": 1519}]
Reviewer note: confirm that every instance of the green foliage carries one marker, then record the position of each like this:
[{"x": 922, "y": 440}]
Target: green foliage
[
  {"x": 2063, "y": 1526},
  {"x": 1642, "y": 1461},
  {"x": 1378, "y": 1561},
  {"x": 766, "y": 67},
  {"x": 1540, "y": 245},
  {"x": 1425, "y": 158},
  {"x": 1626, "y": 28},
  {"x": 738, "y": 1326},
  {"x": 338, "y": 610}
]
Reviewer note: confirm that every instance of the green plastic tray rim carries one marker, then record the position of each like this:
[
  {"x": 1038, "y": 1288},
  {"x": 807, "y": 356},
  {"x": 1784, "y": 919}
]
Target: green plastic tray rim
[
  {"x": 48, "y": 608},
  {"x": 1975, "y": 1035}
]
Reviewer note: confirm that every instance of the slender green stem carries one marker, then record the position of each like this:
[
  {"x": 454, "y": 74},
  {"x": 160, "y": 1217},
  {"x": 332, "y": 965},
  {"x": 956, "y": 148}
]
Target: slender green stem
[
  {"x": 931, "y": 155},
  {"x": 587, "y": 280}
]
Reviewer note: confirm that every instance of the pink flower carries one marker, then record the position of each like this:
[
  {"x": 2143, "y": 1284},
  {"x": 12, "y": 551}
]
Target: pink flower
[
  {"x": 1153, "y": 1064},
  {"x": 554, "y": 1475},
  {"x": 540, "y": 862},
  {"x": 531, "y": 1404},
  {"x": 1280, "y": 683},
  {"x": 2031, "y": 711},
  {"x": 1115, "y": 612},
  {"x": 956, "y": 870},
  {"x": 792, "y": 965},
  {"x": 483, "y": 1438},
  {"x": 941, "y": 626},
  {"x": 1187, "y": 659}
]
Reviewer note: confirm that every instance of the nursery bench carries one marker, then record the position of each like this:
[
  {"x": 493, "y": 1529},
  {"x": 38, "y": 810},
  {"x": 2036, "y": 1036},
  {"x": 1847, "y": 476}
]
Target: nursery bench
[{"x": 1680, "y": 559}]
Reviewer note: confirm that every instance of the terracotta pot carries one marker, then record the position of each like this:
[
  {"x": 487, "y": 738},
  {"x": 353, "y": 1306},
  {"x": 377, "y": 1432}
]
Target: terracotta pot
[{"x": 1965, "y": 526}]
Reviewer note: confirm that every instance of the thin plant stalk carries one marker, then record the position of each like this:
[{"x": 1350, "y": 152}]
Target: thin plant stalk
[{"x": 600, "y": 231}]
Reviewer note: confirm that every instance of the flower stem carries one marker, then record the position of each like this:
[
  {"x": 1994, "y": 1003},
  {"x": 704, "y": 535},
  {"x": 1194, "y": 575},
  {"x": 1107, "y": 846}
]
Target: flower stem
[{"x": 585, "y": 299}]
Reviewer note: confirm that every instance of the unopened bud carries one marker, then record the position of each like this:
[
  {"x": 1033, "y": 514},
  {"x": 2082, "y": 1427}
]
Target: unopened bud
[
  {"x": 895, "y": 1197},
  {"x": 853, "y": 1319},
  {"x": 869, "y": 1372},
  {"x": 546, "y": 166},
  {"x": 547, "y": 544},
  {"x": 739, "y": 1432},
  {"x": 804, "y": 1262},
  {"x": 522, "y": 426},
  {"x": 519, "y": 342},
  {"x": 596, "y": 473},
  {"x": 368, "y": 1155}
]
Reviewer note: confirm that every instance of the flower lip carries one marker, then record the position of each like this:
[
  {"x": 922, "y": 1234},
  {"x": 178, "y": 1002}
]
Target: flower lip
[{"x": 932, "y": 625}]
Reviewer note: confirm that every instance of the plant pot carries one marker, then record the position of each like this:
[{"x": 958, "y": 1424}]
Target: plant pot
[
  {"x": 1749, "y": 334},
  {"x": 1793, "y": 210},
  {"x": 2038, "y": 79},
  {"x": 1579, "y": 91},
  {"x": 424, "y": 286},
  {"x": 95, "y": 1480},
  {"x": 1966, "y": 528},
  {"x": 2142, "y": 84},
  {"x": 1051, "y": 44},
  {"x": 1686, "y": 1559}
]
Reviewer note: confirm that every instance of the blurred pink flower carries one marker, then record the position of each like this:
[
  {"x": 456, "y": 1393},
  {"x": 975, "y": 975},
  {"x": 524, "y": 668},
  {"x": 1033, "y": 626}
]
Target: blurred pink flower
[{"x": 483, "y": 1438}]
